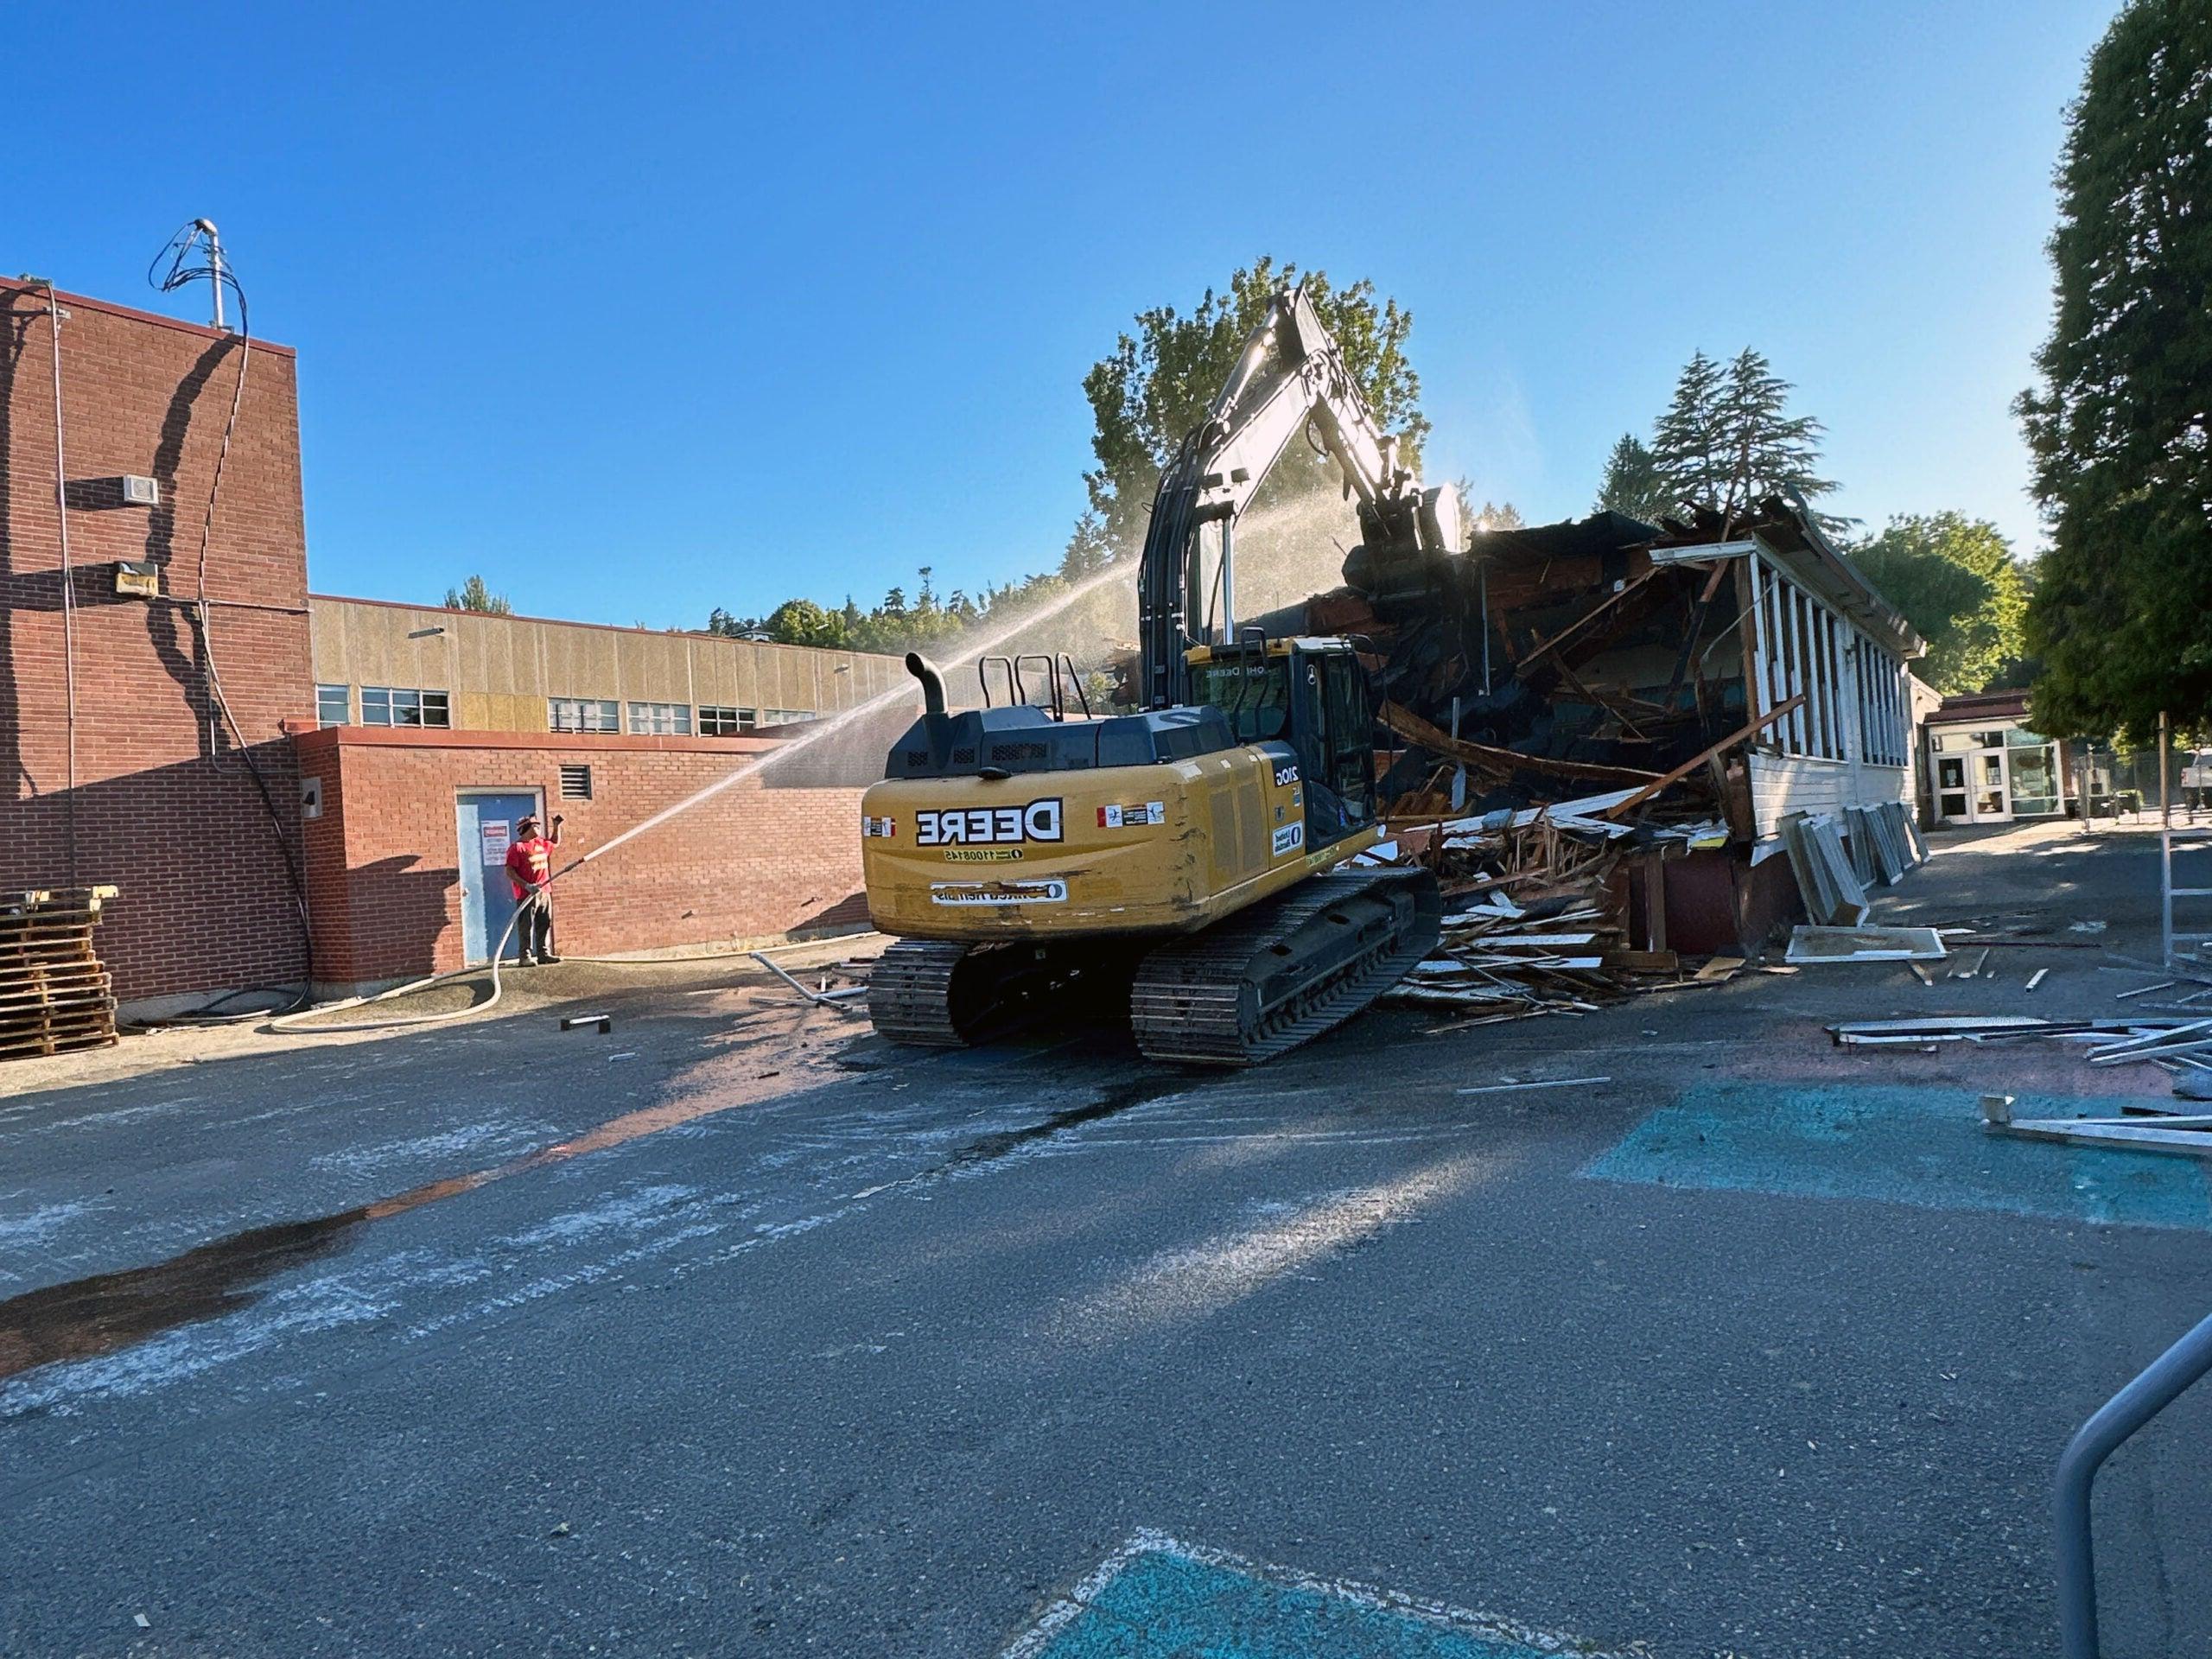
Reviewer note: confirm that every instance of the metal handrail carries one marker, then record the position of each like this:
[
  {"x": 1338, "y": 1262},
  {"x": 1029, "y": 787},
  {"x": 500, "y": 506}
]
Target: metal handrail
[{"x": 2160, "y": 1383}]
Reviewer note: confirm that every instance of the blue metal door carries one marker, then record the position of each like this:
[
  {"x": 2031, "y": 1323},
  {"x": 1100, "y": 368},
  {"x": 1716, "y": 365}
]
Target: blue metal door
[{"x": 484, "y": 821}]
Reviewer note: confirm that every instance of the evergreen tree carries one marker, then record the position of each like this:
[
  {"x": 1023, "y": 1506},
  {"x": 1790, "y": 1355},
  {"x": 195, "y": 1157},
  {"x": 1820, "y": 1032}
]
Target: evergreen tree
[
  {"x": 1689, "y": 441},
  {"x": 1769, "y": 451},
  {"x": 1726, "y": 440},
  {"x": 1633, "y": 482},
  {"x": 474, "y": 595},
  {"x": 2121, "y": 425}
]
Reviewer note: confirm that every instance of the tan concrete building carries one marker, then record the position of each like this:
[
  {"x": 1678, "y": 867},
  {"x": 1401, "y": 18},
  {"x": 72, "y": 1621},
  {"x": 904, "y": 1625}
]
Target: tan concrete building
[{"x": 380, "y": 663}]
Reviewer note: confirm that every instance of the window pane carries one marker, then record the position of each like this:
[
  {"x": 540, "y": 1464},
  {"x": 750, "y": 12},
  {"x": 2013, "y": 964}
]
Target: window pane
[
  {"x": 333, "y": 704},
  {"x": 376, "y": 706},
  {"x": 437, "y": 711}
]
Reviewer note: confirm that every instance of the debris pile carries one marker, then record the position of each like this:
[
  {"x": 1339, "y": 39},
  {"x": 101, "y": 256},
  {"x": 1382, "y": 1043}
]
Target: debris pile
[{"x": 1536, "y": 906}]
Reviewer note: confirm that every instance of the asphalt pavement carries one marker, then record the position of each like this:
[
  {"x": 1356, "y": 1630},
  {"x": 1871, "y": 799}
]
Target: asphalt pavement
[{"x": 737, "y": 1330}]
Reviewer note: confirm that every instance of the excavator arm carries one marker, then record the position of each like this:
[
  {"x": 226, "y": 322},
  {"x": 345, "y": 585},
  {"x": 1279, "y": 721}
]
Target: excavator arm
[{"x": 1290, "y": 377}]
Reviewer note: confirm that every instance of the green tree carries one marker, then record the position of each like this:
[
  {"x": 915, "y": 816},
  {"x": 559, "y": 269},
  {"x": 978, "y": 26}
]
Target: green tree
[
  {"x": 803, "y": 622},
  {"x": 1956, "y": 581},
  {"x": 1633, "y": 482},
  {"x": 1158, "y": 382},
  {"x": 473, "y": 595},
  {"x": 1688, "y": 441},
  {"x": 1490, "y": 515},
  {"x": 2121, "y": 424},
  {"x": 1726, "y": 440}
]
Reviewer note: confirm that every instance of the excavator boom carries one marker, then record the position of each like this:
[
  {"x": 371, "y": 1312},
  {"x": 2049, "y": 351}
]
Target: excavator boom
[{"x": 1290, "y": 377}]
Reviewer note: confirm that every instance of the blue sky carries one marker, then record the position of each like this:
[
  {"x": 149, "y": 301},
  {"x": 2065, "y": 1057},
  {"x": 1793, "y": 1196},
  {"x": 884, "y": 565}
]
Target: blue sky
[{"x": 642, "y": 310}]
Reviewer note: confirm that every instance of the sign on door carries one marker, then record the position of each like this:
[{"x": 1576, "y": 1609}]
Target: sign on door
[{"x": 497, "y": 835}]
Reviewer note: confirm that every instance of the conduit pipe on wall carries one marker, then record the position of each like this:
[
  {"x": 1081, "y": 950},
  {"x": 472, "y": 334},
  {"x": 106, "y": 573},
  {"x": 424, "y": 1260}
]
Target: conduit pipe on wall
[{"x": 68, "y": 589}]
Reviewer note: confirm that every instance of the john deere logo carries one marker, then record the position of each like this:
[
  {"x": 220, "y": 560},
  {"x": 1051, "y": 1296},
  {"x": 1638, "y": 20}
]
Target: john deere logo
[{"x": 983, "y": 826}]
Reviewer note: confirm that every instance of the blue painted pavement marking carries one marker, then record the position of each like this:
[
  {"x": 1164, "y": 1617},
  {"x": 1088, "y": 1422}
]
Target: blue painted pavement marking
[
  {"x": 1921, "y": 1147},
  {"x": 1156, "y": 1599}
]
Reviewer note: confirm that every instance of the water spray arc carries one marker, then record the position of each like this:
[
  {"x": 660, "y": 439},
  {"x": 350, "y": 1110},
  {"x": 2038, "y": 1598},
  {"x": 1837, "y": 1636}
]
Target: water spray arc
[{"x": 819, "y": 732}]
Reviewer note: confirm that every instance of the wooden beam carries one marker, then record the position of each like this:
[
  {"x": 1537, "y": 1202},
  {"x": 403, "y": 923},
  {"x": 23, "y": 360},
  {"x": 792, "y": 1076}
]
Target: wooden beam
[
  {"x": 1589, "y": 616},
  {"x": 1411, "y": 727},
  {"x": 1699, "y": 759}
]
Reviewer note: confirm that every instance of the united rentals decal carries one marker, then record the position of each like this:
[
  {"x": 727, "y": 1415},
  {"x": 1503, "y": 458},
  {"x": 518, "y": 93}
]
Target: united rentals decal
[
  {"x": 1048, "y": 891},
  {"x": 879, "y": 827},
  {"x": 989, "y": 825},
  {"x": 1129, "y": 817},
  {"x": 1289, "y": 838}
]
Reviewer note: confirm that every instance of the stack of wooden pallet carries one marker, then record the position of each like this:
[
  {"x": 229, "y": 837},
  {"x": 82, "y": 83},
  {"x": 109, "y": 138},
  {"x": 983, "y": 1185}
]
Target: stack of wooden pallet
[{"x": 54, "y": 994}]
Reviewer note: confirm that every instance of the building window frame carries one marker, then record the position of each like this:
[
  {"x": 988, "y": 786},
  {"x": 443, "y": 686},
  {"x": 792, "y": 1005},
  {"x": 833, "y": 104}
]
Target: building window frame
[
  {"x": 725, "y": 719},
  {"x": 405, "y": 706},
  {"x": 583, "y": 715},
  {"x": 333, "y": 705},
  {"x": 660, "y": 719}
]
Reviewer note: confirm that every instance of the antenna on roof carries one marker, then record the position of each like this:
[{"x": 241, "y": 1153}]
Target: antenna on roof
[{"x": 179, "y": 250}]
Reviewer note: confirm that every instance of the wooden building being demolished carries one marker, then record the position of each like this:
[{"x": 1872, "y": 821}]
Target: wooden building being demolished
[{"x": 1739, "y": 661}]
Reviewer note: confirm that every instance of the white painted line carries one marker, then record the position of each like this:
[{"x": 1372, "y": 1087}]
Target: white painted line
[
  {"x": 1037, "y": 1639},
  {"x": 1538, "y": 1083}
]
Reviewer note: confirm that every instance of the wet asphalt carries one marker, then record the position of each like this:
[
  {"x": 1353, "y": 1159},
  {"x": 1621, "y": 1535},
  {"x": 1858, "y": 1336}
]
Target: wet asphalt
[{"x": 831, "y": 1347}]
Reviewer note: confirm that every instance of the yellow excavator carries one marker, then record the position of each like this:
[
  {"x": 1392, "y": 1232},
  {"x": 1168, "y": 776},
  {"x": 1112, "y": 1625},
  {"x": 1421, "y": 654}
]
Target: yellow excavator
[{"x": 1187, "y": 853}]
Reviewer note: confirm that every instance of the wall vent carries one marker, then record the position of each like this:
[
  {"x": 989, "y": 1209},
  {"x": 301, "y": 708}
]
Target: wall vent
[{"x": 576, "y": 783}]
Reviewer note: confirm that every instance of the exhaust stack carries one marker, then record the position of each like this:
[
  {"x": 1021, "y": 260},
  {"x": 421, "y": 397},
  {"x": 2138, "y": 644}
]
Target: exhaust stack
[{"x": 933, "y": 684}]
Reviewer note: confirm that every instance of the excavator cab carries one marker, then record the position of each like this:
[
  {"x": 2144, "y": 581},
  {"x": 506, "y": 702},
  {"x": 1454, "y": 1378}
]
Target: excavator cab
[{"x": 1313, "y": 695}]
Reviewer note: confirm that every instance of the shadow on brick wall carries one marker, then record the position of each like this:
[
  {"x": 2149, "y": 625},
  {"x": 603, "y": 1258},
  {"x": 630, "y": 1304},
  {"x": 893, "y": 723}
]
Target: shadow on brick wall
[
  {"x": 388, "y": 924},
  {"x": 204, "y": 901}
]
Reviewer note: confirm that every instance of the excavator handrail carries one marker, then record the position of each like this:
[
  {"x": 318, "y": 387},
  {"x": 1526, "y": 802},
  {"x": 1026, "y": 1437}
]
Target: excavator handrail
[{"x": 1013, "y": 678}]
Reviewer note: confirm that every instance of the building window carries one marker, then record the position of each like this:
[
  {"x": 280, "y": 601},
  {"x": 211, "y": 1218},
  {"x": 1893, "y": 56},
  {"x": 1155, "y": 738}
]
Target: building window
[
  {"x": 786, "y": 716},
  {"x": 725, "y": 721},
  {"x": 576, "y": 783},
  {"x": 333, "y": 705},
  {"x": 660, "y": 720},
  {"x": 582, "y": 714},
  {"x": 394, "y": 705},
  {"x": 1884, "y": 719}
]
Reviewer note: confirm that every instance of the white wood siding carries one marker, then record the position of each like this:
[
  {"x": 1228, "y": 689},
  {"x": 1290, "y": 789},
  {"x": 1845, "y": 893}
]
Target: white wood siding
[
  {"x": 1840, "y": 748},
  {"x": 1782, "y": 783}
]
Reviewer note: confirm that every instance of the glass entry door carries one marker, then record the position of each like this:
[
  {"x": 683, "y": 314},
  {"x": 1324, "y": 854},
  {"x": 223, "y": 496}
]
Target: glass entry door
[{"x": 1992, "y": 789}]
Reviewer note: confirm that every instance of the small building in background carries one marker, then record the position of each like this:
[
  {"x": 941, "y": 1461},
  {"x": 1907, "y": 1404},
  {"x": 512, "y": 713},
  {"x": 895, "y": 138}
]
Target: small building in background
[{"x": 1984, "y": 764}]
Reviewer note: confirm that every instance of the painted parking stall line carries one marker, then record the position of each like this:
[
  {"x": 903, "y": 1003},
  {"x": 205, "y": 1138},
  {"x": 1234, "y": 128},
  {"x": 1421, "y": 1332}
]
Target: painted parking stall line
[{"x": 1157, "y": 1598}]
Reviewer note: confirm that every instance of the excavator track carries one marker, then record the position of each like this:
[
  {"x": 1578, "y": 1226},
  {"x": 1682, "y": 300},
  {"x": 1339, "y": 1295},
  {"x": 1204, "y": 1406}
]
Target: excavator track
[
  {"x": 1285, "y": 970},
  {"x": 955, "y": 995}
]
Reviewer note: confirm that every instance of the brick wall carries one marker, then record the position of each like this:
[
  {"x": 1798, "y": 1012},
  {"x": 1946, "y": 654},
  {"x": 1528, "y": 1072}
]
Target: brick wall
[
  {"x": 168, "y": 813},
  {"x": 383, "y": 876}
]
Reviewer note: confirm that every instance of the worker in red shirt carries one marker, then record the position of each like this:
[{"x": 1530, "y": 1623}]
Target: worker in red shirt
[{"x": 530, "y": 872}]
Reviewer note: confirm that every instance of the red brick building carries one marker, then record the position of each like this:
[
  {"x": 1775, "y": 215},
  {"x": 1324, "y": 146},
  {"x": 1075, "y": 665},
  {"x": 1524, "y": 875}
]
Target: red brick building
[
  {"x": 120, "y": 767},
  {"x": 149, "y": 698},
  {"x": 383, "y": 853}
]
